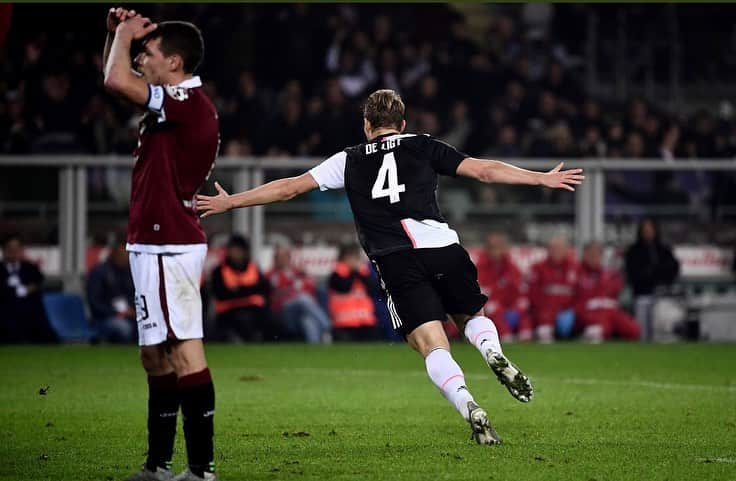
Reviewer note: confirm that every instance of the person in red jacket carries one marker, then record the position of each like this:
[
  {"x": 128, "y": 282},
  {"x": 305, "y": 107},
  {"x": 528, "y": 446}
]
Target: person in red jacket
[
  {"x": 551, "y": 290},
  {"x": 293, "y": 299},
  {"x": 501, "y": 281},
  {"x": 596, "y": 295}
]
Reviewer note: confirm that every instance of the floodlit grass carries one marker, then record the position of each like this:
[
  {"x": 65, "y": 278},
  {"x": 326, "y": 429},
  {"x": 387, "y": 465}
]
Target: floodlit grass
[{"x": 368, "y": 412}]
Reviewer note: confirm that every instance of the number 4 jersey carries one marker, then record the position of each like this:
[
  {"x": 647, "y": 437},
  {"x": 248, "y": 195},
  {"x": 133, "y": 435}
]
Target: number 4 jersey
[{"x": 391, "y": 183}]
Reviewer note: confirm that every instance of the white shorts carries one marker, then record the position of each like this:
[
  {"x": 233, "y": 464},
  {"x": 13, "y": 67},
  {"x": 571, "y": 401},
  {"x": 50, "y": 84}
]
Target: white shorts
[{"x": 168, "y": 303}]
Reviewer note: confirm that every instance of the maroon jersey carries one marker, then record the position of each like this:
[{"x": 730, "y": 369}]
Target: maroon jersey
[{"x": 178, "y": 141}]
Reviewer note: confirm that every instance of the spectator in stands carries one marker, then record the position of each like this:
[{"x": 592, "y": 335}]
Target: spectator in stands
[
  {"x": 551, "y": 289},
  {"x": 592, "y": 144},
  {"x": 293, "y": 300},
  {"x": 590, "y": 116},
  {"x": 241, "y": 294},
  {"x": 287, "y": 133},
  {"x": 111, "y": 297},
  {"x": 650, "y": 267},
  {"x": 460, "y": 126},
  {"x": 501, "y": 281},
  {"x": 15, "y": 129},
  {"x": 354, "y": 71},
  {"x": 248, "y": 112},
  {"x": 335, "y": 123},
  {"x": 507, "y": 144},
  {"x": 23, "y": 317},
  {"x": 351, "y": 287},
  {"x": 596, "y": 300},
  {"x": 650, "y": 263},
  {"x": 53, "y": 109}
]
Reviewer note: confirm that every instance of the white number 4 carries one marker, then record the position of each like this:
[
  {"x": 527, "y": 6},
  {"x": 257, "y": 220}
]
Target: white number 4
[{"x": 393, "y": 188}]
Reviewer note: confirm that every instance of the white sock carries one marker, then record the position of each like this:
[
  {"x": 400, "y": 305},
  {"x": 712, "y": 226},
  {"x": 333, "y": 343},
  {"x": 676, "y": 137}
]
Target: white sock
[
  {"x": 449, "y": 379},
  {"x": 482, "y": 333}
]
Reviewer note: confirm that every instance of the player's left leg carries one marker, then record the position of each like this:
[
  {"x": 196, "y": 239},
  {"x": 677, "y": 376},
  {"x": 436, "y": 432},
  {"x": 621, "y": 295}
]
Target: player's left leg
[
  {"x": 197, "y": 394},
  {"x": 481, "y": 332},
  {"x": 180, "y": 275},
  {"x": 430, "y": 340},
  {"x": 493, "y": 310}
]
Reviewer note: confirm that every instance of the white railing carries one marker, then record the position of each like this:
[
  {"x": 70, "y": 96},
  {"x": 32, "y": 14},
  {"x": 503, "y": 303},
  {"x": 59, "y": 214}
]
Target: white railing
[{"x": 249, "y": 172}]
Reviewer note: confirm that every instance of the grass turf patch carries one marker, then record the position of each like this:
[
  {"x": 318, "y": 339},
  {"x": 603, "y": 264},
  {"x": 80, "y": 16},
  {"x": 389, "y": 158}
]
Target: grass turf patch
[{"x": 343, "y": 412}]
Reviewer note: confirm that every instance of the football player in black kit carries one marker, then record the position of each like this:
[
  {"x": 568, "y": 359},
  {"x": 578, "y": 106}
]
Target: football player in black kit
[{"x": 391, "y": 183}]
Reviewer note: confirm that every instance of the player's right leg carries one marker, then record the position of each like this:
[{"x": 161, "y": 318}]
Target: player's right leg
[
  {"x": 197, "y": 393},
  {"x": 163, "y": 406},
  {"x": 430, "y": 341},
  {"x": 456, "y": 280},
  {"x": 163, "y": 393}
]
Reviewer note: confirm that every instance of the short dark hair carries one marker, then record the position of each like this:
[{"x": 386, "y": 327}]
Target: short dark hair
[
  {"x": 13, "y": 236},
  {"x": 237, "y": 240},
  {"x": 384, "y": 108},
  {"x": 183, "y": 39}
]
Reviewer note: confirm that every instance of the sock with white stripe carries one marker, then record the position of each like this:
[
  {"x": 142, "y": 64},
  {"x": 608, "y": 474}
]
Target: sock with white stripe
[
  {"x": 449, "y": 379},
  {"x": 482, "y": 333}
]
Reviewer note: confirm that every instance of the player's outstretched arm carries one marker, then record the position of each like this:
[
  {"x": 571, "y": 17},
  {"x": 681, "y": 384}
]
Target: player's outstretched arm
[
  {"x": 274, "y": 191},
  {"x": 119, "y": 75},
  {"x": 495, "y": 171}
]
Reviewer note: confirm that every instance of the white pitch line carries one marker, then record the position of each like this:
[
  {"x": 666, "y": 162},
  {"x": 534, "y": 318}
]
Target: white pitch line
[
  {"x": 652, "y": 384},
  {"x": 585, "y": 381}
]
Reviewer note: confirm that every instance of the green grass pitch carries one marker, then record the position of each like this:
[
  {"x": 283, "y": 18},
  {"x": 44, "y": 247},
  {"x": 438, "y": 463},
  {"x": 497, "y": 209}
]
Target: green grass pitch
[{"x": 368, "y": 412}]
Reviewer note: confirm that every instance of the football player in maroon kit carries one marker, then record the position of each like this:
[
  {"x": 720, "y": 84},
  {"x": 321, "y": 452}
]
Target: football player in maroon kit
[{"x": 178, "y": 140}]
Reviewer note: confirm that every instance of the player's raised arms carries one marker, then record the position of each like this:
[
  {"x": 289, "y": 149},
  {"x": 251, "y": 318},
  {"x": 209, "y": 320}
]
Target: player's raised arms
[{"x": 120, "y": 78}]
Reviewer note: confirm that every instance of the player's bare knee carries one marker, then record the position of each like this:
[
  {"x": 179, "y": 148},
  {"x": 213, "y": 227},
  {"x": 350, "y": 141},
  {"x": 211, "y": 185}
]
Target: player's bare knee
[
  {"x": 154, "y": 360},
  {"x": 187, "y": 357},
  {"x": 428, "y": 337}
]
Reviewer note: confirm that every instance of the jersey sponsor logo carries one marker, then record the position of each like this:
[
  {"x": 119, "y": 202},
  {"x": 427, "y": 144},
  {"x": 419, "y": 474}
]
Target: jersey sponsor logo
[{"x": 177, "y": 93}]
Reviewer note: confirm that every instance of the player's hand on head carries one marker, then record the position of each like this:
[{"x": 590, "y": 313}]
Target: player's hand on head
[
  {"x": 563, "y": 179},
  {"x": 214, "y": 204},
  {"x": 138, "y": 26},
  {"x": 115, "y": 16}
]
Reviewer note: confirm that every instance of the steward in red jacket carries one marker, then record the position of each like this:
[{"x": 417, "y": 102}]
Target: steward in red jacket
[
  {"x": 596, "y": 295},
  {"x": 501, "y": 281}
]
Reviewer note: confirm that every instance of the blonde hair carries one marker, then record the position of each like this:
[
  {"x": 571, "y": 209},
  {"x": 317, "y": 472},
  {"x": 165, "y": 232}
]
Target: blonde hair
[{"x": 384, "y": 108}]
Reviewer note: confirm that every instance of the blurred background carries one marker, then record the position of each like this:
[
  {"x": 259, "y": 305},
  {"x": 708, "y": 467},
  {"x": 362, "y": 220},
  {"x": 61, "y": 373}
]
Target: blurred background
[{"x": 640, "y": 96}]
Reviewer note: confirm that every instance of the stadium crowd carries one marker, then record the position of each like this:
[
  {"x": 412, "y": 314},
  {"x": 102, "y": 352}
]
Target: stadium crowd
[
  {"x": 560, "y": 297},
  {"x": 516, "y": 93}
]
